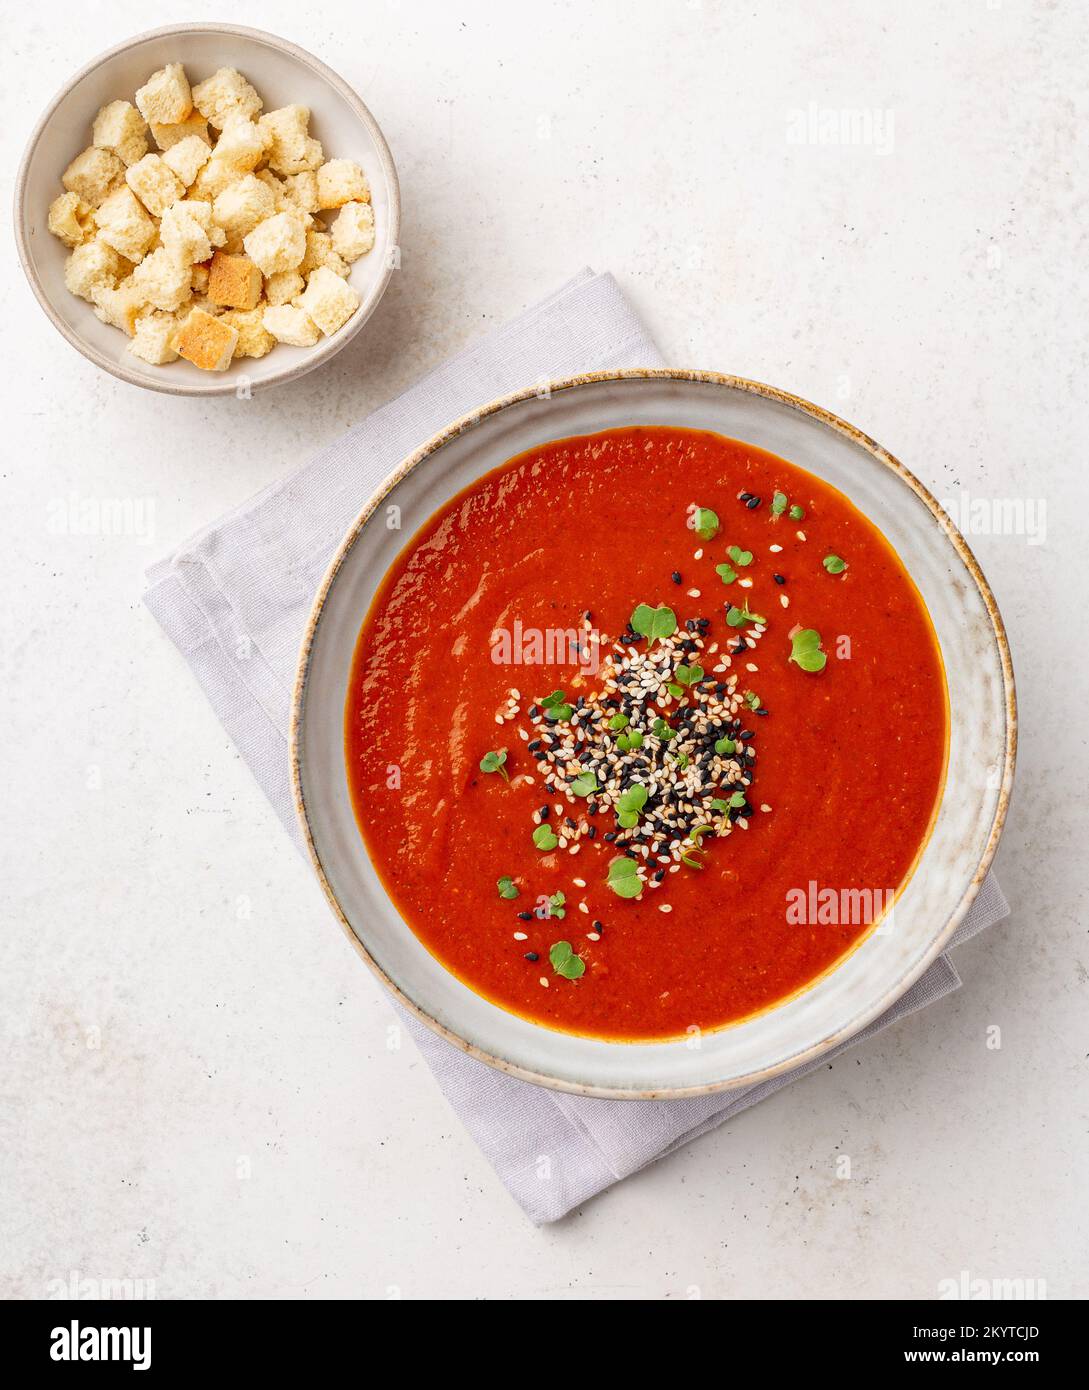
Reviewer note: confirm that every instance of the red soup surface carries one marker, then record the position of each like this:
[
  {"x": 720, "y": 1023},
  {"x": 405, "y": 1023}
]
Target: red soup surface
[{"x": 644, "y": 730}]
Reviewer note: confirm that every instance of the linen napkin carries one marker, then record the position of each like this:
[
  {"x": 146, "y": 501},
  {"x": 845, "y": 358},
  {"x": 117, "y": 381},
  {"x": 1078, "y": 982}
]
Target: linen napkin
[{"x": 235, "y": 599}]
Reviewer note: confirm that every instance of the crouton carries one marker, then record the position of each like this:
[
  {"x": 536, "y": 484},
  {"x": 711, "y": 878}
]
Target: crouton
[
  {"x": 124, "y": 225},
  {"x": 213, "y": 178},
  {"x": 165, "y": 97},
  {"x": 342, "y": 181},
  {"x": 328, "y": 300},
  {"x": 353, "y": 231},
  {"x": 119, "y": 307},
  {"x": 205, "y": 341},
  {"x": 164, "y": 279},
  {"x": 282, "y": 287},
  {"x": 152, "y": 338},
  {"x": 183, "y": 235},
  {"x": 278, "y": 243},
  {"x": 241, "y": 145},
  {"x": 186, "y": 158},
  {"x": 233, "y": 281},
  {"x": 226, "y": 93},
  {"x": 93, "y": 175},
  {"x": 254, "y": 340},
  {"x": 120, "y": 127},
  {"x": 301, "y": 191},
  {"x": 199, "y": 278},
  {"x": 154, "y": 183},
  {"x": 167, "y": 136},
  {"x": 241, "y": 206},
  {"x": 290, "y": 148},
  {"x": 71, "y": 219},
  {"x": 290, "y": 325},
  {"x": 94, "y": 265},
  {"x": 319, "y": 251}
]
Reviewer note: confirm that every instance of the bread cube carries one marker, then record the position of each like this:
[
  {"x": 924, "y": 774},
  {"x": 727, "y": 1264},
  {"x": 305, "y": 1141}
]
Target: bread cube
[
  {"x": 328, "y": 300},
  {"x": 282, "y": 287},
  {"x": 154, "y": 183},
  {"x": 184, "y": 236},
  {"x": 199, "y": 278},
  {"x": 233, "y": 281},
  {"x": 124, "y": 225},
  {"x": 342, "y": 181},
  {"x": 242, "y": 145},
  {"x": 301, "y": 191},
  {"x": 290, "y": 325},
  {"x": 319, "y": 251},
  {"x": 241, "y": 206},
  {"x": 93, "y": 175},
  {"x": 72, "y": 220},
  {"x": 152, "y": 338},
  {"x": 226, "y": 93},
  {"x": 201, "y": 211},
  {"x": 290, "y": 148},
  {"x": 164, "y": 279},
  {"x": 165, "y": 97},
  {"x": 167, "y": 136},
  {"x": 186, "y": 158},
  {"x": 278, "y": 243},
  {"x": 120, "y": 127},
  {"x": 213, "y": 178},
  {"x": 92, "y": 266},
  {"x": 120, "y": 307},
  {"x": 353, "y": 231},
  {"x": 205, "y": 341},
  {"x": 254, "y": 340}
]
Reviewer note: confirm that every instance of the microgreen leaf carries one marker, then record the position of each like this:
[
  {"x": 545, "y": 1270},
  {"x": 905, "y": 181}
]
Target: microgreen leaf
[
  {"x": 693, "y": 858},
  {"x": 779, "y": 504},
  {"x": 688, "y": 675},
  {"x": 663, "y": 730},
  {"x": 805, "y": 650},
  {"x": 725, "y": 747},
  {"x": 737, "y": 800},
  {"x": 544, "y": 837},
  {"x": 626, "y": 742},
  {"x": 654, "y": 623},
  {"x": 797, "y": 513},
  {"x": 705, "y": 524},
  {"x": 624, "y": 878},
  {"x": 564, "y": 961},
  {"x": 507, "y": 888},
  {"x": 738, "y": 617},
  {"x": 752, "y": 699},
  {"x": 585, "y": 784},
  {"x": 493, "y": 762},
  {"x": 725, "y": 573},
  {"x": 719, "y": 805},
  {"x": 833, "y": 564},
  {"x": 634, "y": 799},
  {"x": 555, "y": 706},
  {"x": 556, "y": 905},
  {"x": 618, "y": 721},
  {"x": 739, "y": 556}
]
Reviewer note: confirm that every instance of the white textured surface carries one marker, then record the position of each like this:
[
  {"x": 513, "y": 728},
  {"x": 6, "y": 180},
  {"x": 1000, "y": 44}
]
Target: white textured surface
[{"x": 934, "y": 295}]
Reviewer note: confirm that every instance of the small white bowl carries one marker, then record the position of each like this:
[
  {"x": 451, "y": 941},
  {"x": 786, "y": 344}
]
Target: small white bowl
[{"x": 282, "y": 74}]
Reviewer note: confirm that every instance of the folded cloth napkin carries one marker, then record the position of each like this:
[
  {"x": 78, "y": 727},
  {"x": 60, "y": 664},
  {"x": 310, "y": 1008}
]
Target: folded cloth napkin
[{"x": 235, "y": 600}]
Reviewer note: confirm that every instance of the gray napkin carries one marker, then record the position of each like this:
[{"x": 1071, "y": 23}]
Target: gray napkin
[{"x": 235, "y": 599}]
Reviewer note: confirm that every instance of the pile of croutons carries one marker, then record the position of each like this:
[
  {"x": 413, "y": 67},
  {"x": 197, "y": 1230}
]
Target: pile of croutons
[{"x": 213, "y": 247}]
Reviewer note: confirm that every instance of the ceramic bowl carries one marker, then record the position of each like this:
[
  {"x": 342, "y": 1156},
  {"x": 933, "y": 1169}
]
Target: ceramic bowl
[
  {"x": 952, "y": 865},
  {"x": 282, "y": 74}
]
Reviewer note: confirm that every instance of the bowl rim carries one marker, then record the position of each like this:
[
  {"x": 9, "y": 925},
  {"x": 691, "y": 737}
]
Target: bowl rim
[
  {"x": 329, "y": 346},
  {"x": 882, "y": 456}
]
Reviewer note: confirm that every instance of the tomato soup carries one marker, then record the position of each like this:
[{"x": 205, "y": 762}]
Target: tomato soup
[{"x": 644, "y": 730}]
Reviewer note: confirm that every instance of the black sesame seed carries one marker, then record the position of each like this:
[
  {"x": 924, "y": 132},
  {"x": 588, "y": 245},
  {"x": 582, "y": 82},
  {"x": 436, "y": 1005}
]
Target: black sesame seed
[
  {"x": 531, "y": 955},
  {"x": 779, "y": 578},
  {"x": 676, "y": 577},
  {"x": 599, "y": 926},
  {"x": 744, "y": 496},
  {"x": 544, "y": 812},
  {"x": 525, "y": 916},
  {"x": 532, "y": 747},
  {"x": 753, "y": 503}
]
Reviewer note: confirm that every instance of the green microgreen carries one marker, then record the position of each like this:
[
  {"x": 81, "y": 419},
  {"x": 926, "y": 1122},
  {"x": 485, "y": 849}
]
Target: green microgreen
[
  {"x": 738, "y": 617},
  {"x": 796, "y": 513},
  {"x": 493, "y": 762},
  {"x": 805, "y": 650},
  {"x": 544, "y": 837},
  {"x": 626, "y": 742},
  {"x": 556, "y": 906},
  {"x": 565, "y": 962},
  {"x": 629, "y": 804},
  {"x": 739, "y": 556},
  {"x": 585, "y": 784},
  {"x": 705, "y": 524},
  {"x": 555, "y": 706},
  {"x": 507, "y": 887},
  {"x": 618, "y": 722},
  {"x": 663, "y": 730},
  {"x": 779, "y": 504},
  {"x": 624, "y": 878},
  {"x": 833, "y": 564},
  {"x": 753, "y": 700},
  {"x": 725, "y": 747},
  {"x": 654, "y": 623},
  {"x": 726, "y": 573}
]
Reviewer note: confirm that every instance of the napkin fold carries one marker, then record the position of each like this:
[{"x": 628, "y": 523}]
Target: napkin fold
[{"x": 234, "y": 600}]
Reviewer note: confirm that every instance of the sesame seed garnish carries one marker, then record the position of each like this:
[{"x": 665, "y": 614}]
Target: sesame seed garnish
[
  {"x": 544, "y": 981},
  {"x": 520, "y": 936},
  {"x": 693, "y": 593},
  {"x": 665, "y": 907}
]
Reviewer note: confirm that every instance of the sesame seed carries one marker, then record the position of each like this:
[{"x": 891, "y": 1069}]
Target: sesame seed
[
  {"x": 665, "y": 907},
  {"x": 520, "y": 936},
  {"x": 544, "y": 981}
]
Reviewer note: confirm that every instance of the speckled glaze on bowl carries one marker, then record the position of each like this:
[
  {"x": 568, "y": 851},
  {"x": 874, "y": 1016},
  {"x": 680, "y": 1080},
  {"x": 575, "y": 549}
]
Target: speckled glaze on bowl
[
  {"x": 282, "y": 73},
  {"x": 951, "y": 866}
]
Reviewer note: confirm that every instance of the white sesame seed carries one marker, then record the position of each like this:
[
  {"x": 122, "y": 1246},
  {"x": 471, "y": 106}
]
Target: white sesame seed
[
  {"x": 784, "y": 600},
  {"x": 800, "y": 535},
  {"x": 499, "y": 719},
  {"x": 664, "y": 907},
  {"x": 593, "y": 936},
  {"x": 693, "y": 593},
  {"x": 699, "y": 554},
  {"x": 775, "y": 549},
  {"x": 544, "y": 981},
  {"x": 574, "y": 848},
  {"x": 579, "y": 882},
  {"x": 751, "y": 666},
  {"x": 764, "y": 806},
  {"x": 584, "y": 908},
  {"x": 520, "y": 936}
]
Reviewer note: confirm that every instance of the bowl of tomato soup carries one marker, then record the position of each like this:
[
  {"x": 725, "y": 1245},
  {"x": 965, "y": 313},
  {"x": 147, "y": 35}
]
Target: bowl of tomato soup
[{"x": 653, "y": 735}]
